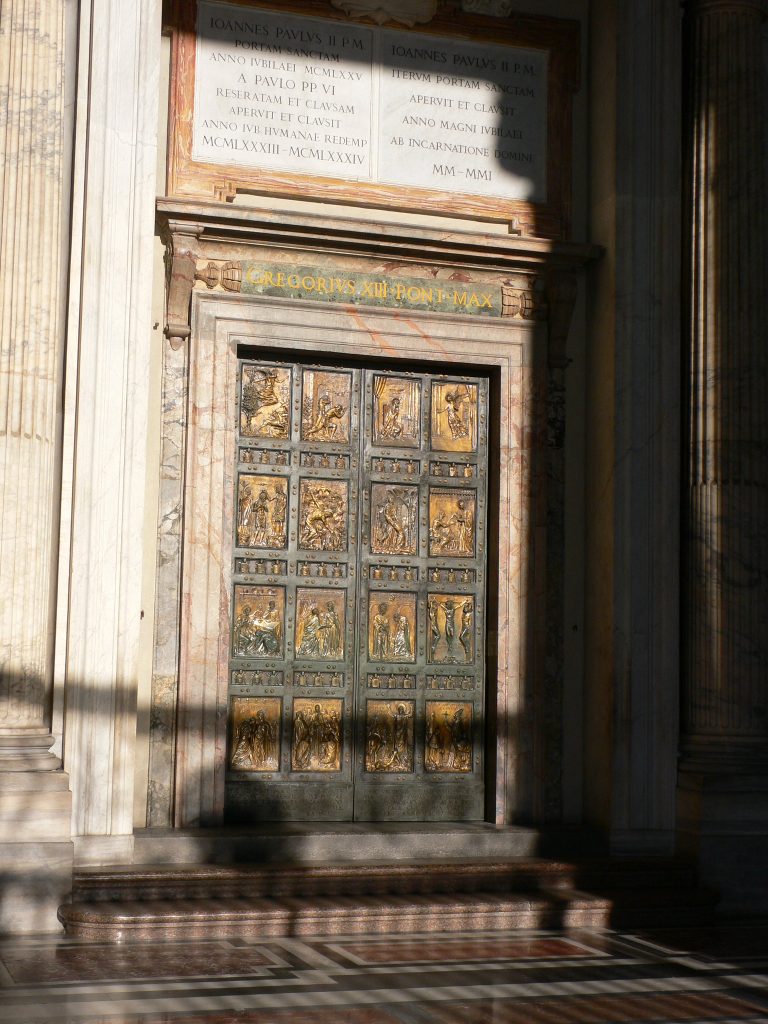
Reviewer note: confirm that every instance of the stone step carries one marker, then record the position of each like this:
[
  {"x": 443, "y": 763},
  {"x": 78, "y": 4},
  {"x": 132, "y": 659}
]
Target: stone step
[
  {"x": 144, "y": 920},
  {"x": 251, "y": 881}
]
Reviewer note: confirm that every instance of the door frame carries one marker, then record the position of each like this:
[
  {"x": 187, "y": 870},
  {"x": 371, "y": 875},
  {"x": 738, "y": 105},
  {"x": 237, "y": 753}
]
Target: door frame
[{"x": 222, "y": 323}]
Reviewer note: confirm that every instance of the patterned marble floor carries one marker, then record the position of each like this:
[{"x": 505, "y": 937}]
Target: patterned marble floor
[{"x": 718, "y": 975}]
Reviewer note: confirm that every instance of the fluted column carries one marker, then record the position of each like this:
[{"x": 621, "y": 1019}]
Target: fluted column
[
  {"x": 725, "y": 694},
  {"x": 31, "y": 130}
]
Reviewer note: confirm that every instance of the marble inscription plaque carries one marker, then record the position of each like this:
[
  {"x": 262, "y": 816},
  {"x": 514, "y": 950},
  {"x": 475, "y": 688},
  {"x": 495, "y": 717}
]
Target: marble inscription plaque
[{"x": 280, "y": 92}]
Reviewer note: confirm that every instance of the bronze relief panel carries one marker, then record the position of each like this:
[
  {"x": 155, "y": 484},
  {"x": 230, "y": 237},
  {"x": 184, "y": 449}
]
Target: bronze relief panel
[
  {"x": 454, "y": 416},
  {"x": 258, "y": 622},
  {"x": 325, "y": 406},
  {"x": 265, "y": 402},
  {"x": 389, "y": 735},
  {"x": 396, "y": 412},
  {"x": 256, "y": 727},
  {"x": 323, "y": 514},
  {"x": 320, "y": 623},
  {"x": 448, "y": 740},
  {"x": 391, "y": 626},
  {"x": 316, "y": 745},
  {"x": 452, "y": 521},
  {"x": 262, "y": 511},
  {"x": 451, "y": 629},
  {"x": 394, "y": 514}
]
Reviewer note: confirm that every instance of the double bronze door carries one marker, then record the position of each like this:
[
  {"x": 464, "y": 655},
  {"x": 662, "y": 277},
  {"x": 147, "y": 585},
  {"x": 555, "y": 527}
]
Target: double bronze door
[{"x": 357, "y": 643}]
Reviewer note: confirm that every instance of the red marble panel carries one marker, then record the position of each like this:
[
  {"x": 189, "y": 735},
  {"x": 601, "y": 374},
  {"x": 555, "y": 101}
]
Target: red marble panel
[
  {"x": 93, "y": 963},
  {"x": 674, "y": 1008}
]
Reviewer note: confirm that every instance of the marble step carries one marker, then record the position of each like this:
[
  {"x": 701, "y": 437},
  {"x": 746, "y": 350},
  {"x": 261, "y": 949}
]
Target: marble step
[
  {"x": 225, "y": 881},
  {"x": 251, "y": 881},
  {"x": 143, "y": 920}
]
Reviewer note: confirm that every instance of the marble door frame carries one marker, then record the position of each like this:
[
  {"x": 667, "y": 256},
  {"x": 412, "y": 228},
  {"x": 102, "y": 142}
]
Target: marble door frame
[{"x": 219, "y": 323}]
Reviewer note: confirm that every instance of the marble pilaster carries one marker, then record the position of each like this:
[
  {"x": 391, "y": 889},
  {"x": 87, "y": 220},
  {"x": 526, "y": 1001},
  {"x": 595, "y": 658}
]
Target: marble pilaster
[
  {"x": 35, "y": 802},
  {"x": 725, "y": 700},
  {"x": 106, "y": 413},
  {"x": 31, "y": 344}
]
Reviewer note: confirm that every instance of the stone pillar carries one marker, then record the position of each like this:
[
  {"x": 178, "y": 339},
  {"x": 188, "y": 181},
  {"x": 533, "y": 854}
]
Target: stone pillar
[
  {"x": 724, "y": 768},
  {"x": 106, "y": 400},
  {"x": 35, "y": 846}
]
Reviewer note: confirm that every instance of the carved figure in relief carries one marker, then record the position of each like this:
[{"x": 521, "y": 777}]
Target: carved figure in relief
[
  {"x": 434, "y": 629},
  {"x": 330, "y": 637},
  {"x": 264, "y": 409},
  {"x": 440, "y": 534},
  {"x": 395, "y": 523},
  {"x": 380, "y": 647},
  {"x": 465, "y": 525},
  {"x": 465, "y": 636},
  {"x": 401, "y": 641},
  {"x": 449, "y": 611},
  {"x": 455, "y": 404},
  {"x": 322, "y": 518},
  {"x": 391, "y": 427},
  {"x": 255, "y": 744},
  {"x": 327, "y": 419},
  {"x": 311, "y": 629}
]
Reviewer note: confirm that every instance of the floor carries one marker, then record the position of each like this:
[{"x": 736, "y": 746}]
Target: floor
[{"x": 713, "y": 975}]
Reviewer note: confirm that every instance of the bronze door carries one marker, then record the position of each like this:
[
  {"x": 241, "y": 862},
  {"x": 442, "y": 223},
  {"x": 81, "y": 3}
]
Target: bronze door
[{"x": 358, "y": 615}]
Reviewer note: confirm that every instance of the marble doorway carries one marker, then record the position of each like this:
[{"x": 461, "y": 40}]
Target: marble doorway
[{"x": 231, "y": 331}]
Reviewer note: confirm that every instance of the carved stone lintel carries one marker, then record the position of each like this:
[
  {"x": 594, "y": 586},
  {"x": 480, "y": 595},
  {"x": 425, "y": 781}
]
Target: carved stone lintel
[
  {"x": 407, "y": 12},
  {"x": 491, "y": 8}
]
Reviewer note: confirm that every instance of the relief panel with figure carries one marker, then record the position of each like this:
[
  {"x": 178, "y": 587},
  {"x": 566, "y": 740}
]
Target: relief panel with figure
[
  {"x": 258, "y": 630},
  {"x": 389, "y": 735},
  {"x": 448, "y": 740},
  {"x": 394, "y": 514},
  {"x": 452, "y": 521},
  {"x": 391, "y": 626},
  {"x": 325, "y": 406},
  {"x": 451, "y": 629},
  {"x": 262, "y": 511},
  {"x": 256, "y": 725},
  {"x": 396, "y": 412},
  {"x": 454, "y": 416},
  {"x": 265, "y": 402},
  {"x": 317, "y": 731},
  {"x": 320, "y": 623},
  {"x": 323, "y": 508}
]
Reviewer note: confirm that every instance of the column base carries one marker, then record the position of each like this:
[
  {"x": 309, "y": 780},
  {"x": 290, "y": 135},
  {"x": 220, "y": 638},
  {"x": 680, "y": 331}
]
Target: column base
[
  {"x": 36, "y": 851},
  {"x": 723, "y": 822},
  {"x": 27, "y": 750}
]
